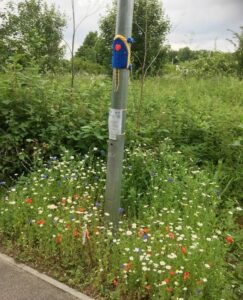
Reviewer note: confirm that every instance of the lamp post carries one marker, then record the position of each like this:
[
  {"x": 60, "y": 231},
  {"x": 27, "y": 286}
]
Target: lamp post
[{"x": 117, "y": 113}]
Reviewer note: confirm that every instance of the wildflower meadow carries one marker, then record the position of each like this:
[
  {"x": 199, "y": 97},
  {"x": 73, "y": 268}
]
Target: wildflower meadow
[
  {"x": 103, "y": 111},
  {"x": 173, "y": 236}
]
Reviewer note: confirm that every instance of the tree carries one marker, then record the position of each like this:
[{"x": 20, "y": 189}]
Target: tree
[
  {"x": 150, "y": 27},
  {"x": 185, "y": 54},
  {"x": 92, "y": 8},
  {"x": 88, "y": 51},
  {"x": 239, "y": 52},
  {"x": 33, "y": 30}
]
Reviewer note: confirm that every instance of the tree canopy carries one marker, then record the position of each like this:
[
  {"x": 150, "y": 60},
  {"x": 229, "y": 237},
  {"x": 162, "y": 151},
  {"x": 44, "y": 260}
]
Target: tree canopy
[
  {"x": 150, "y": 26},
  {"x": 32, "y": 30},
  {"x": 88, "y": 51},
  {"x": 239, "y": 52}
]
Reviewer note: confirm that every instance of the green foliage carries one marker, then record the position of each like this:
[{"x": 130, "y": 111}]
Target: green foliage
[
  {"x": 211, "y": 65},
  {"x": 34, "y": 31},
  {"x": 202, "y": 117},
  {"x": 87, "y": 66},
  {"x": 185, "y": 54},
  {"x": 178, "y": 184},
  {"x": 150, "y": 27},
  {"x": 239, "y": 52},
  {"x": 42, "y": 114},
  {"x": 88, "y": 51},
  {"x": 177, "y": 245}
]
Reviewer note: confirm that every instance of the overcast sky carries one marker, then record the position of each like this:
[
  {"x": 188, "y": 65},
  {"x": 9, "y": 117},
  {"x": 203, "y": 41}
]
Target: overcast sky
[{"x": 199, "y": 24}]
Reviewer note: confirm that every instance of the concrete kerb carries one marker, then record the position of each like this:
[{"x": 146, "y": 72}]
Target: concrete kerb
[{"x": 45, "y": 278}]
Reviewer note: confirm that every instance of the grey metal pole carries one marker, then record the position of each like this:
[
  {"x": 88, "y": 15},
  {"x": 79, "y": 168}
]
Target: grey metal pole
[{"x": 117, "y": 118}]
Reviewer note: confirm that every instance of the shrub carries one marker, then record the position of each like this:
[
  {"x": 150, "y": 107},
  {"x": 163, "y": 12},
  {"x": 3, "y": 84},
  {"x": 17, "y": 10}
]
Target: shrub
[
  {"x": 40, "y": 114},
  {"x": 214, "y": 64},
  {"x": 82, "y": 66}
]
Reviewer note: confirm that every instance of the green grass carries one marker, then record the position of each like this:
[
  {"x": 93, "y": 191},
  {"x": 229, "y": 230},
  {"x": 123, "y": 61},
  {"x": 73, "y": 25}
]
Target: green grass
[{"x": 203, "y": 117}]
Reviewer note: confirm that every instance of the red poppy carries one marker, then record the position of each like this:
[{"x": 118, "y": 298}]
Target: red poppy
[
  {"x": 171, "y": 235},
  {"x": 148, "y": 287},
  {"x": 75, "y": 233},
  {"x": 128, "y": 266},
  {"x": 145, "y": 229},
  {"x": 169, "y": 289},
  {"x": 183, "y": 250},
  {"x": 29, "y": 200},
  {"x": 186, "y": 276},
  {"x": 76, "y": 197},
  {"x": 68, "y": 225},
  {"x": 115, "y": 282},
  {"x": 167, "y": 280},
  {"x": 172, "y": 273},
  {"x": 40, "y": 222},
  {"x": 81, "y": 209},
  {"x": 229, "y": 239},
  {"x": 58, "y": 239},
  {"x": 64, "y": 201}
]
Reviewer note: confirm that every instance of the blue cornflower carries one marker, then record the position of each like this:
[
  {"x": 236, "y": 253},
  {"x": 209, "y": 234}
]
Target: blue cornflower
[
  {"x": 44, "y": 176},
  {"x": 53, "y": 158},
  {"x": 218, "y": 193},
  {"x": 121, "y": 210},
  {"x": 145, "y": 236},
  {"x": 72, "y": 217},
  {"x": 102, "y": 153},
  {"x": 198, "y": 292},
  {"x": 96, "y": 178},
  {"x": 153, "y": 173},
  {"x": 170, "y": 179}
]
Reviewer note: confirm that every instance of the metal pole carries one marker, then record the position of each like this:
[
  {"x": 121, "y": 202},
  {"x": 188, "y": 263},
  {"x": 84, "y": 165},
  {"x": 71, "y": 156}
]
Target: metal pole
[{"x": 117, "y": 119}]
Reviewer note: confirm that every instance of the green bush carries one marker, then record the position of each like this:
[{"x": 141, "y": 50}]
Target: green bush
[
  {"x": 41, "y": 114},
  {"x": 204, "y": 118},
  {"x": 214, "y": 64},
  {"x": 201, "y": 117},
  {"x": 87, "y": 67}
]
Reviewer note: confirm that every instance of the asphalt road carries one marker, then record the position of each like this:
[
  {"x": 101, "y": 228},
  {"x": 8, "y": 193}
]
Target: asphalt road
[{"x": 16, "y": 284}]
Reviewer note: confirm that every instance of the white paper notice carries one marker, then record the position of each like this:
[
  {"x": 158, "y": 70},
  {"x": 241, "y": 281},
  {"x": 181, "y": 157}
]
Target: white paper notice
[{"x": 115, "y": 123}]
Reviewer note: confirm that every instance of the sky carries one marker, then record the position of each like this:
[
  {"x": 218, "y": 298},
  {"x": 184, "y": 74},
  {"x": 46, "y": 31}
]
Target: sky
[{"x": 198, "y": 24}]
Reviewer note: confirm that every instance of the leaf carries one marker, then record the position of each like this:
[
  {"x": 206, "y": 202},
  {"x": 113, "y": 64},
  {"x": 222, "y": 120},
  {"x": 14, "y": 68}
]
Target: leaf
[{"x": 236, "y": 143}]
